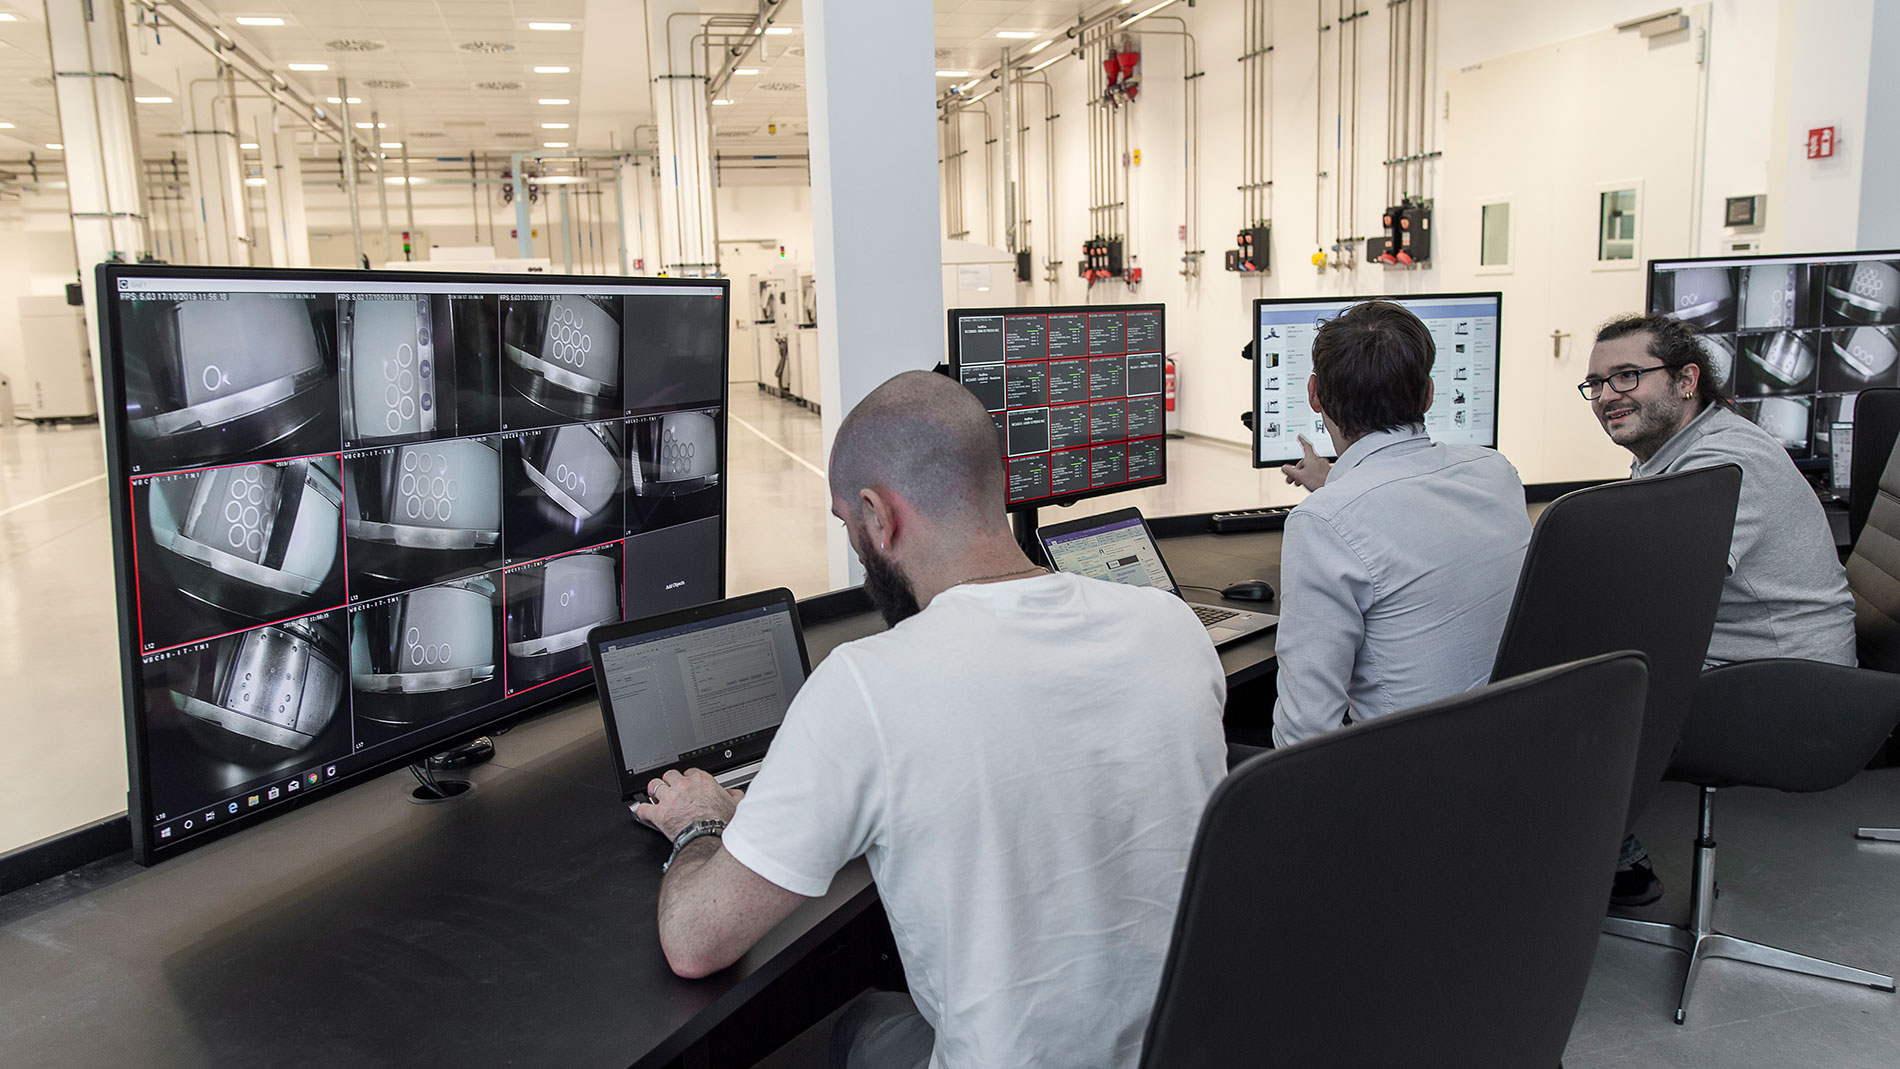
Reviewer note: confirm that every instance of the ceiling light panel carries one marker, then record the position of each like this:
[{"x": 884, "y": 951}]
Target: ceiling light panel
[{"x": 260, "y": 20}]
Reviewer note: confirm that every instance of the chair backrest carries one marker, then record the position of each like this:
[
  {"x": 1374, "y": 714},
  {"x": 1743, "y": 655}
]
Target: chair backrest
[
  {"x": 1876, "y": 429},
  {"x": 1423, "y": 888},
  {"x": 1873, "y": 569},
  {"x": 1634, "y": 565}
]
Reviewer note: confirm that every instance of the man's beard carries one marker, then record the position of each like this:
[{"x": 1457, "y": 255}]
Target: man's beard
[
  {"x": 1650, "y": 427},
  {"x": 888, "y": 588}
]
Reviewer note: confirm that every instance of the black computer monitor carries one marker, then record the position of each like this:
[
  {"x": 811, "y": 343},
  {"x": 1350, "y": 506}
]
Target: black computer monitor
[
  {"x": 1076, "y": 393},
  {"x": 360, "y": 517},
  {"x": 1793, "y": 338},
  {"x": 1464, "y": 410}
]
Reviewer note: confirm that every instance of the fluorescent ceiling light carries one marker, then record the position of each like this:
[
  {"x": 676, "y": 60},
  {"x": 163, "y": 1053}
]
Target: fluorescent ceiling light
[
  {"x": 339, "y": 100},
  {"x": 259, "y": 20},
  {"x": 556, "y": 180},
  {"x": 553, "y": 144},
  {"x": 390, "y": 144},
  {"x": 551, "y": 70},
  {"x": 371, "y": 125},
  {"x": 153, "y": 100},
  {"x": 1017, "y": 35},
  {"x": 553, "y": 102},
  {"x": 253, "y": 181},
  {"x": 6, "y": 126},
  {"x": 249, "y": 146},
  {"x": 746, "y": 71},
  {"x": 722, "y": 101},
  {"x": 554, "y": 126},
  {"x": 8, "y": 16},
  {"x": 1040, "y": 45},
  {"x": 56, "y": 146},
  {"x": 953, "y": 74},
  {"x": 397, "y": 180},
  {"x": 550, "y": 25},
  {"x": 778, "y": 31},
  {"x": 308, "y": 66}
]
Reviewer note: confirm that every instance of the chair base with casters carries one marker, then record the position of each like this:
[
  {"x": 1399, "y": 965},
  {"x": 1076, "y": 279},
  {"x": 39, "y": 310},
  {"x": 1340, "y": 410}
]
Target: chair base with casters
[{"x": 1879, "y": 835}]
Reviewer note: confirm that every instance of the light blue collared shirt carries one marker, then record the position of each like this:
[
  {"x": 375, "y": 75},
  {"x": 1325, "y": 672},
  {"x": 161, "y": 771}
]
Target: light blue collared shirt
[{"x": 1395, "y": 580}]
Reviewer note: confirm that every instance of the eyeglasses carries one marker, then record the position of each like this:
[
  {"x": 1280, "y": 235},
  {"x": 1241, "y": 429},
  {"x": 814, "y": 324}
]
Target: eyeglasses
[{"x": 1622, "y": 382}]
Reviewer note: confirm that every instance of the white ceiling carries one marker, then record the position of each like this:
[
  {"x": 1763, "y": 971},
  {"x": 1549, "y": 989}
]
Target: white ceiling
[{"x": 439, "y": 95}]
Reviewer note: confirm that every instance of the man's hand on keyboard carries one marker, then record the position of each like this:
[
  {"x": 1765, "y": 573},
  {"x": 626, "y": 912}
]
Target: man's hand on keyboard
[{"x": 679, "y": 798}]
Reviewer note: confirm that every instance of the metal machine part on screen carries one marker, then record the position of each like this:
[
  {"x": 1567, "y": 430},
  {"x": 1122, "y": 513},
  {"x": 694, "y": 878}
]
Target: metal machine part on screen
[
  {"x": 361, "y": 518},
  {"x": 1793, "y": 338}
]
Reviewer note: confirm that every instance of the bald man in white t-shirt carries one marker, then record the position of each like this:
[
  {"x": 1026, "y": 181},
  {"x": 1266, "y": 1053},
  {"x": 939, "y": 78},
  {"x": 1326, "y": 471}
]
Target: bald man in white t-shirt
[{"x": 1022, "y": 759}]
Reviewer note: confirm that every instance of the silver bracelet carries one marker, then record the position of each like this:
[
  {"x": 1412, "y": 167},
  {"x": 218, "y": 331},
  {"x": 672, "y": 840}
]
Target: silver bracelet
[{"x": 697, "y": 829}]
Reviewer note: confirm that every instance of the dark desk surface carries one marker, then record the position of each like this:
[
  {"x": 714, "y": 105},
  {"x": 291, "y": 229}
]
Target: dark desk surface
[{"x": 513, "y": 925}]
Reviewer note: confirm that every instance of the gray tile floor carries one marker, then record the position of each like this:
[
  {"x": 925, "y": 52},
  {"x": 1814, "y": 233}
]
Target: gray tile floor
[{"x": 1790, "y": 870}]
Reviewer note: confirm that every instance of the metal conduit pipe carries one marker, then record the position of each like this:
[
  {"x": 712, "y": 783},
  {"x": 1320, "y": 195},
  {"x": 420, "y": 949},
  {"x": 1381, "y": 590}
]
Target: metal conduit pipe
[
  {"x": 1319, "y": 124},
  {"x": 277, "y": 86},
  {"x": 1191, "y": 136}
]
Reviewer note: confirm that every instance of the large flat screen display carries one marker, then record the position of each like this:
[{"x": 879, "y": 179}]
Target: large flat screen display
[
  {"x": 358, "y": 516},
  {"x": 1793, "y": 338},
  {"x": 1464, "y": 409},
  {"x": 1076, "y": 393}
]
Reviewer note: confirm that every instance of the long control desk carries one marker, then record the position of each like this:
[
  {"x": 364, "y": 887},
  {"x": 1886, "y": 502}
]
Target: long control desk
[{"x": 513, "y": 925}]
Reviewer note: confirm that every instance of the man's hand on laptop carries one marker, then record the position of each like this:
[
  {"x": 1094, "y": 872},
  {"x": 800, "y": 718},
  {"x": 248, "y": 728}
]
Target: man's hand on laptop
[{"x": 680, "y": 798}]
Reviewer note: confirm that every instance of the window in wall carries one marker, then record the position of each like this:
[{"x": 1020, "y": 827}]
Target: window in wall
[
  {"x": 1616, "y": 224},
  {"x": 1494, "y": 235}
]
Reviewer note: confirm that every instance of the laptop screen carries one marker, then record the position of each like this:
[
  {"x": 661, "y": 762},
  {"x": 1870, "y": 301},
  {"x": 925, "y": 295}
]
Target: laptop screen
[
  {"x": 706, "y": 693},
  {"x": 1117, "y": 548}
]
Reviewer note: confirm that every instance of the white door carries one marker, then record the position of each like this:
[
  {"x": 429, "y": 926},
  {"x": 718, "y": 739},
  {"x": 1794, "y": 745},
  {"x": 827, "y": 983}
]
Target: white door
[{"x": 1593, "y": 143}]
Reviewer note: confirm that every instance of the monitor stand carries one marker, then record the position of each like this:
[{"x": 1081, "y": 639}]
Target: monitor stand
[{"x": 1023, "y": 524}]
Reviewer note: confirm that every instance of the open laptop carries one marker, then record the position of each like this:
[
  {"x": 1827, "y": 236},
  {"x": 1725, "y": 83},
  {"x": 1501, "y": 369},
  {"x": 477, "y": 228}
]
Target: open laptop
[
  {"x": 1118, "y": 546},
  {"x": 704, "y": 687}
]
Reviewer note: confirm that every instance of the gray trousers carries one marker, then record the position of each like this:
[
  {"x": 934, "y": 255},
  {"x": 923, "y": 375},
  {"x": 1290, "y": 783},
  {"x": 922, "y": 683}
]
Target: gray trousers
[{"x": 881, "y": 1030}]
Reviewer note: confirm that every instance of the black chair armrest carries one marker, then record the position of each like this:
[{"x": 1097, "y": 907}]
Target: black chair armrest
[{"x": 1787, "y": 724}]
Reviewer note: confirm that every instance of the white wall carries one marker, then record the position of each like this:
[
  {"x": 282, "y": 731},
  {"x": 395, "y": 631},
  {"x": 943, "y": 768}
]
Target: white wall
[{"x": 1775, "y": 67}]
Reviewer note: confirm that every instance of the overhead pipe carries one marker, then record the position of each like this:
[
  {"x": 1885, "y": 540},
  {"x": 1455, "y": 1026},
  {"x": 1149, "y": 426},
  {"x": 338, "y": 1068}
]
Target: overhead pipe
[{"x": 349, "y": 183}]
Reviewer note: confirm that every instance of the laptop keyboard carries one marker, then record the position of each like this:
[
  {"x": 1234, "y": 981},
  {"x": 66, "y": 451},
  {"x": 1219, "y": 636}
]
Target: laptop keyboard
[{"x": 1211, "y": 615}]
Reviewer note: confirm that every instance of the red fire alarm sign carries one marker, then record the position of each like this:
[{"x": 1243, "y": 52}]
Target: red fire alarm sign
[{"x": 1820, "y": 142}]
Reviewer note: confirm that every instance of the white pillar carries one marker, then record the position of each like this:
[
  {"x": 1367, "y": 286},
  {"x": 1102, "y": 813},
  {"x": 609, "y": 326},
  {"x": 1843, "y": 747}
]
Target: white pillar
[
  {"x": 871, "y": 98},
  {"x": 217, "y": 173},
  {"x": 685, "y": 140},
  {"x": 289, "y": 232},
  {"x": 92, "y": 84}
]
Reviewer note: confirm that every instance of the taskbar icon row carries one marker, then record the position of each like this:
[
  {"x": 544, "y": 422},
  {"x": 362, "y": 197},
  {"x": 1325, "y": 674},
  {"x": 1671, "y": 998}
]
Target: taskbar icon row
[{"x": 277, "y": 792}]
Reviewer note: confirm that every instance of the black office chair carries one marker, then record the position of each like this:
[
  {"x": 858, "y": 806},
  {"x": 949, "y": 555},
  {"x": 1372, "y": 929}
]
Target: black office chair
[
  {"x": 1873, "y": 568},
  {"x": 1634, "y": 565},
  {"x": 1328, "y": 917},
  {"x": 1876, "y": 428},
  {"x": 1786, "y": 724}
]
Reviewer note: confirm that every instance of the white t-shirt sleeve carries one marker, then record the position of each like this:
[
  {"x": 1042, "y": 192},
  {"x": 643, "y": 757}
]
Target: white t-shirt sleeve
[{"x": 816, "y": 799}]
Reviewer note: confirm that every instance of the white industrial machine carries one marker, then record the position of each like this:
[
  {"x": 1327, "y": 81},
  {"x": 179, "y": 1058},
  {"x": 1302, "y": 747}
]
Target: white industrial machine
[{"x": 58, "y": 382}]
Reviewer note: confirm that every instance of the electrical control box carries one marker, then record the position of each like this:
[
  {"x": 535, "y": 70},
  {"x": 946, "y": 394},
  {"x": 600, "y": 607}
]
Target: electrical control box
[
  {"x": 1407, "y": 240},
  {"x": 1101, "y": 259},
  {"x": 1252, "y": 255},
  {"x": 1023, "y": 266}
]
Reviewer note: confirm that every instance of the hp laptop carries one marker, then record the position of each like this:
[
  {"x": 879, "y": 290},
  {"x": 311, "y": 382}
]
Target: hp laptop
[
  {"x": 1117, "y": 546},
  {"x": 703, "y": 688}
]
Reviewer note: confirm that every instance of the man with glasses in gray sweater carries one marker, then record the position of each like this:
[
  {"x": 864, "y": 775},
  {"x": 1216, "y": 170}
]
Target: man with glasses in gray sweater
[{"x": 1652, "y": 387}]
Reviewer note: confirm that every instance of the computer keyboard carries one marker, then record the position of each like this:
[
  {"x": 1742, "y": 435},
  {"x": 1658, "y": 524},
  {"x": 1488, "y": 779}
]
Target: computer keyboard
[
  {"x": 1211, "y": 615},
  {"x": 1267, "y": 519}
]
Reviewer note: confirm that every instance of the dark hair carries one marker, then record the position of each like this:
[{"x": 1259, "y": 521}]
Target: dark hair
[
  {"x": 1373, "y": 368},
  {"x": 1675, "y": 343}
]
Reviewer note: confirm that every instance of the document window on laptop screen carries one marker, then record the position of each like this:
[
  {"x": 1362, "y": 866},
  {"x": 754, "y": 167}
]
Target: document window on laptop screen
[
  {"x": 680, "y": 692},
  {"x": 1119, "y": 551}
]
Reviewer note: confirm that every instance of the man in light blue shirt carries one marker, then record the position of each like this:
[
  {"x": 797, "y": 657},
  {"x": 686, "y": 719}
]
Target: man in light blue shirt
[{"x": 1397, "y": 574}]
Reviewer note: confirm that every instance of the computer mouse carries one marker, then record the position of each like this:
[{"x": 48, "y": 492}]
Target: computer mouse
[{"x": 1249, "y": 590}]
